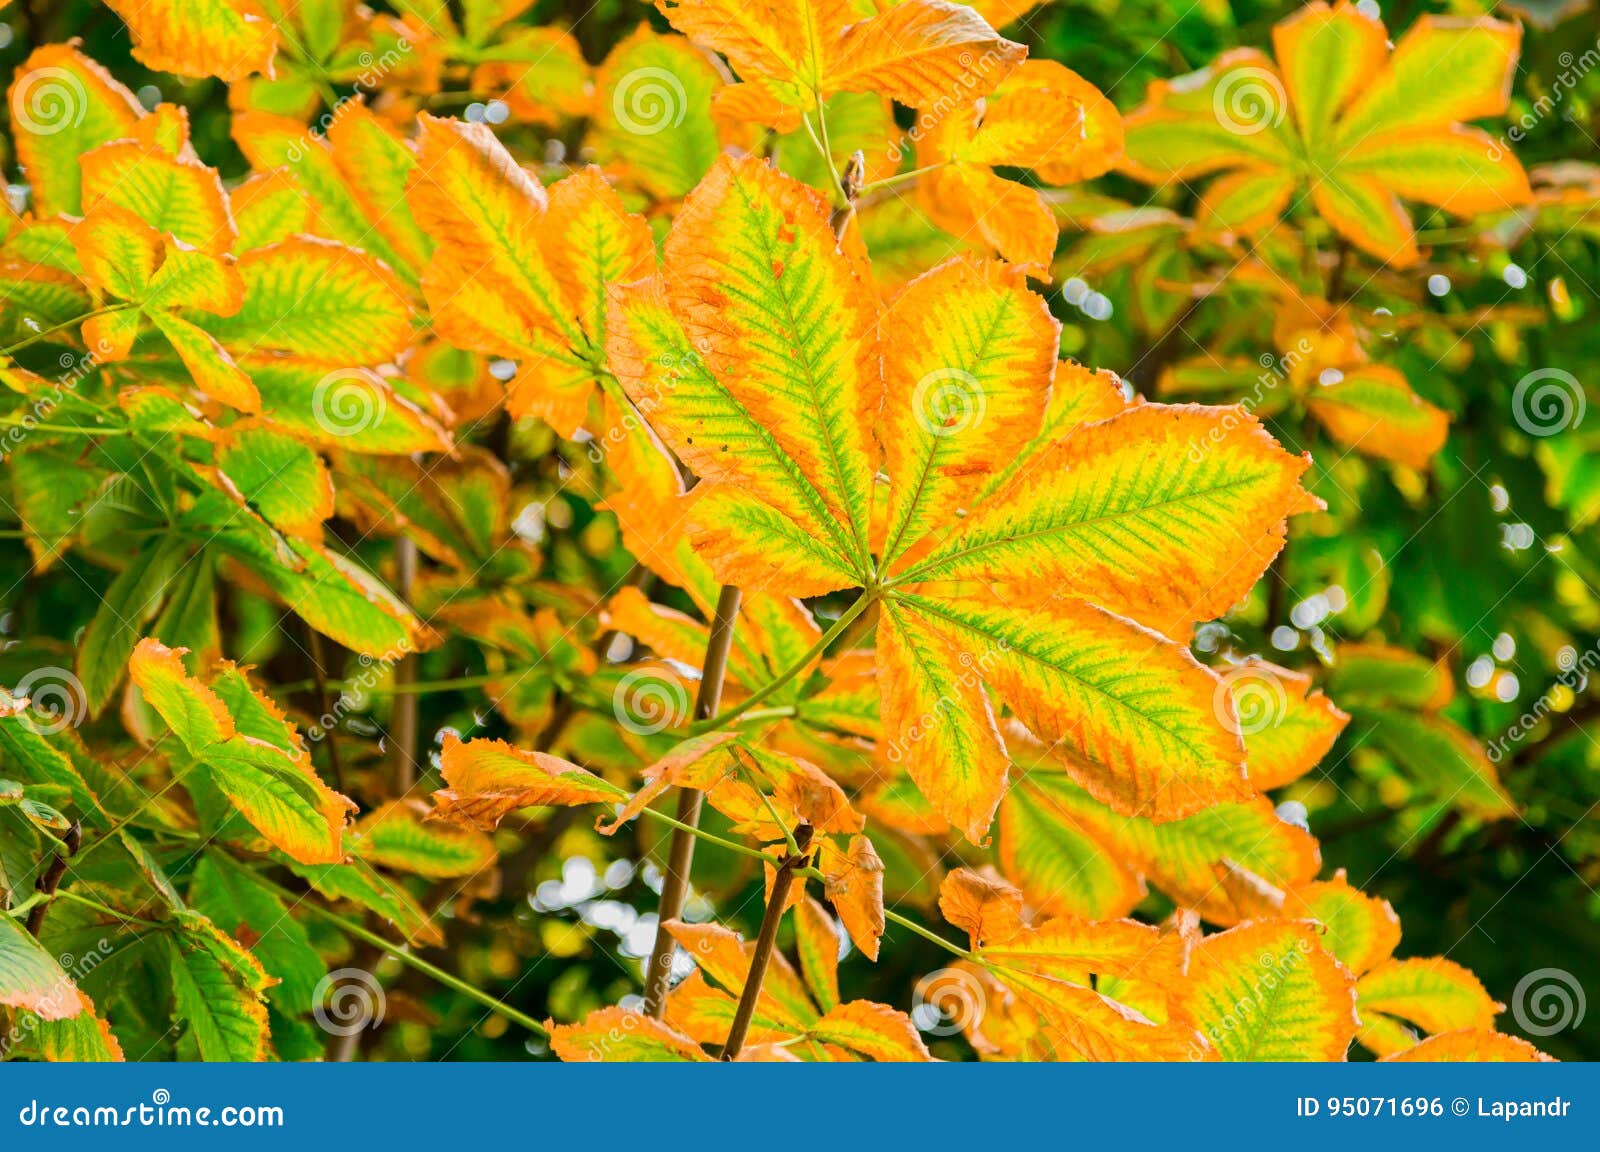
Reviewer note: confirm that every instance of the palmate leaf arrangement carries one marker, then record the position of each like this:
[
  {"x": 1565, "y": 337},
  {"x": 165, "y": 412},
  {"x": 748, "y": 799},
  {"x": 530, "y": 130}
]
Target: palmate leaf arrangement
[{"x": 939, "y": 583}]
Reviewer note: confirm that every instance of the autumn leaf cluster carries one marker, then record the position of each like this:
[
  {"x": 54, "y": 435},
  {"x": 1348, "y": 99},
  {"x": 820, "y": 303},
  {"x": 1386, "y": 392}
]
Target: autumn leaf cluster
[{"x": 872, "y": 589}]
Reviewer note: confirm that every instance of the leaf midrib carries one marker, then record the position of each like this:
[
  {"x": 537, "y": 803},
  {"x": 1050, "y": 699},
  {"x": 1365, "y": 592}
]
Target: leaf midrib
[
  {"x": 836, "y": 464},
  {"x": 931, "y": 566},
  {"x": 933, "y": 608},
  {"x": 891, "y": 546}
]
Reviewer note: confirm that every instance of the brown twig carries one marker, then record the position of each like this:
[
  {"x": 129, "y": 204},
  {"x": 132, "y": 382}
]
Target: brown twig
[
  {"x": 1146, "y": 370},
  {"x": 854, "y": 175},
  {"x": 680, "y": 850},
  {"x": 1427, "y": 853},
  {"x": 347, "y": 1045},
  {"x": 29, "y": 20},
  {"x": 403, "y": 710},
  {"x": 1341, "y": 269},
  {"x": 766, "y": 941},
  {"x": 50, "y": 879}
]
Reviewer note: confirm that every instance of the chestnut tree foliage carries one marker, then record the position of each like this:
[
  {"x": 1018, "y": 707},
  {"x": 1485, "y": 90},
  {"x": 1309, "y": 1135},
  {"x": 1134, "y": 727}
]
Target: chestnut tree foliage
[{"x": 801, "y": 530}]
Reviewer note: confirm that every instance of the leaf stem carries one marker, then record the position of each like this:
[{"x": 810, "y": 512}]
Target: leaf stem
[
  {"x": 894, "y": 917},
  {"x": 402, "y": 954},
  {"x": 843, "y": 201},
  {"x": 772, "y": 811},
  {"x": 680, "y": 849},
  {"x": 709, "y": 837},
  {"x": 863, "y": 602},
  {"x": 421, "y": 687},
  {"x": 66, "y": 429},
  {"x": 811, "y": 873},
  {"x": 35, "y": 337},
  {"x": 403, "y": 714},
  {"x": 103, "y": 909},
  {"x": 900, "y": 178},
  {"x": 22, "y": 907},
  {"x": 780, "y": 712}
]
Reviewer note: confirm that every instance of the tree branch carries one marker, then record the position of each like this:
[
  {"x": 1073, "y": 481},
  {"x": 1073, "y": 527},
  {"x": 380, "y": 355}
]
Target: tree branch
[
  {"x": 403, "y": 708},
  {"x": 680, "y": 849},
  {"x": 766, "y": 941},
  {"x": 1146, "y": 370},
  {"x": 50, "y": 879}
]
